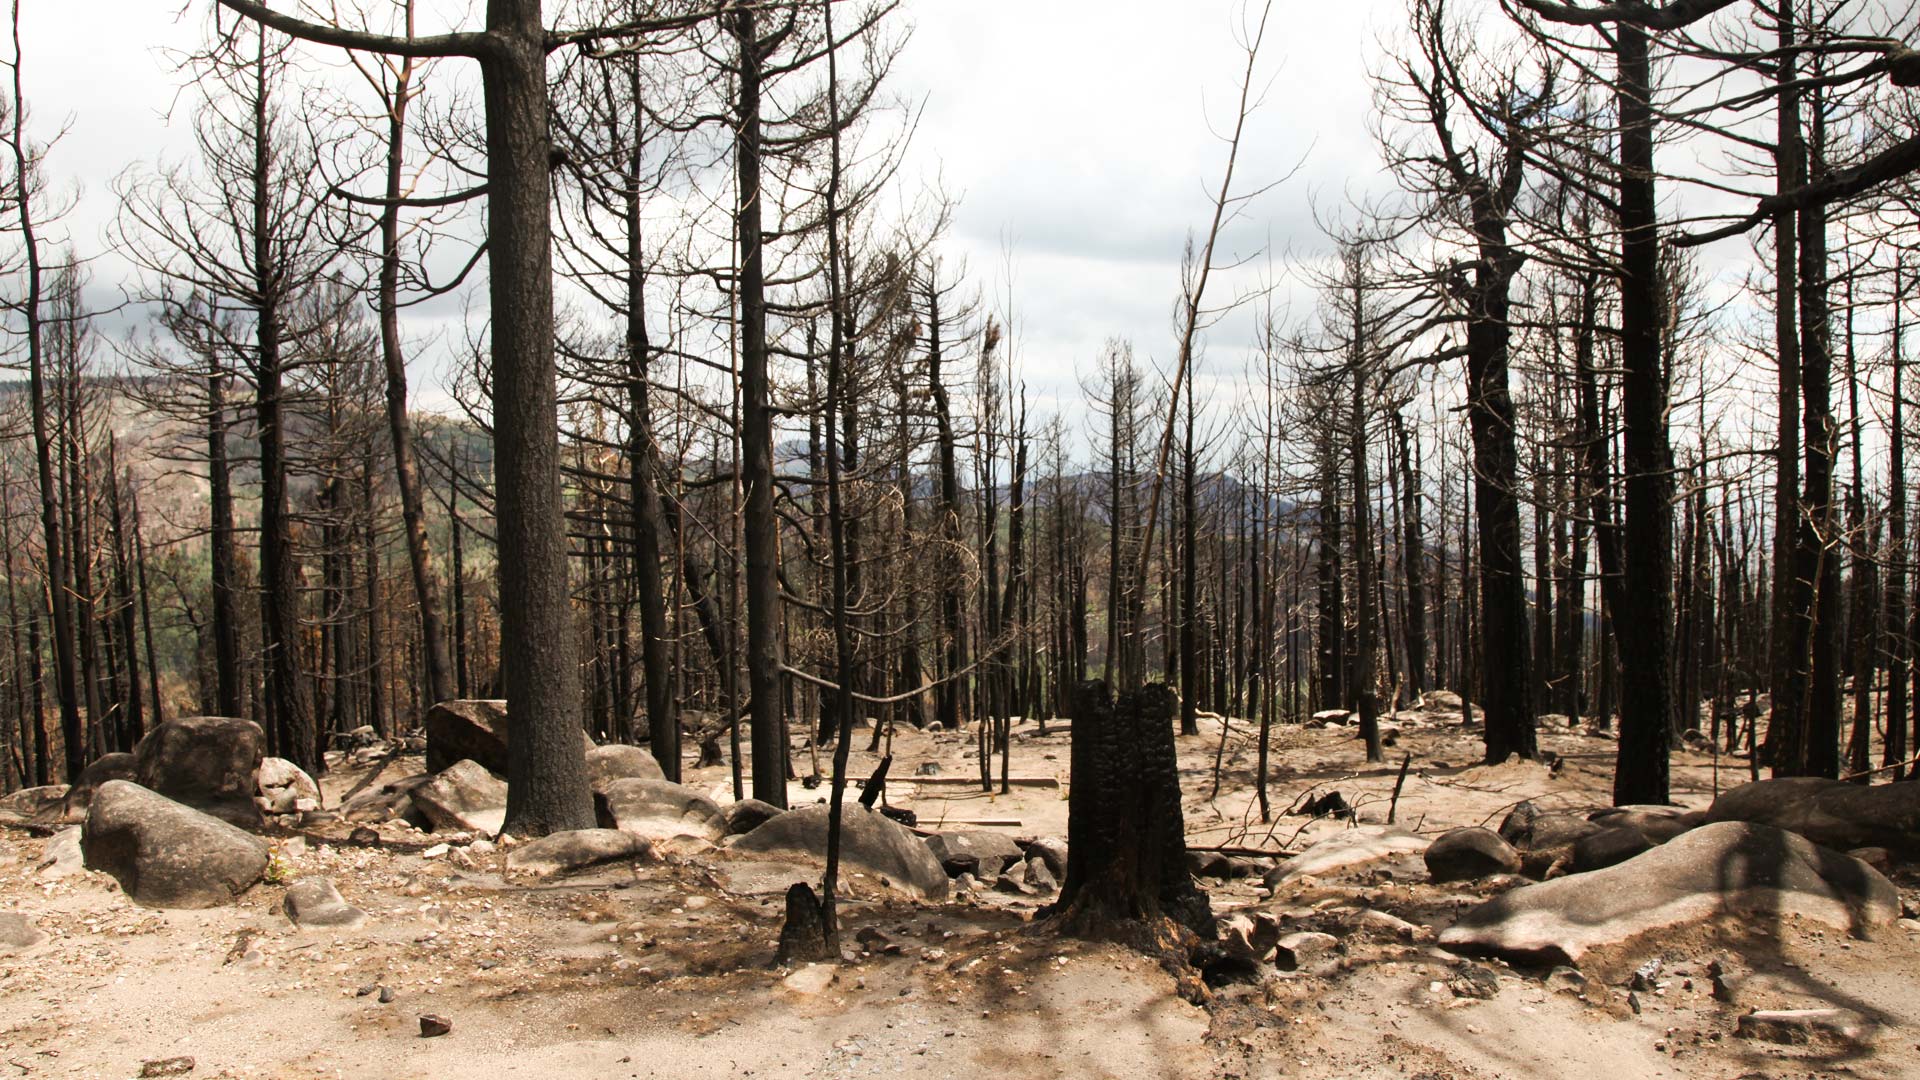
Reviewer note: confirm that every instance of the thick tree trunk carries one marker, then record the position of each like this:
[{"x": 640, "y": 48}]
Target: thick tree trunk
[
  {"x": 1126, "y": 840},
  {"x": 756, "y": 437},
  {"x": 547, "y": 775},
  {"x": 1646, "y": 716}
]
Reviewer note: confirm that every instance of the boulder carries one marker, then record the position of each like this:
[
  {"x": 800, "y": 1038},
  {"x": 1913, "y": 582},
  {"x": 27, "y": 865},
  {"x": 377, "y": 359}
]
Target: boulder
[
  {"x": 749, "y": 814},
  {"x": 314, "y": 903},
  {"x": 979, "y": 852},
  {"x": 1346, "y": 850},
  {"x": 1831, "y": 813},
  {"x": 114, "y": 766},
  {"x": 286, "y": 788},
  {"x": 1608, "y": 847},
  {"x": 1469, "y": 855},
  {"x": 617, "y": 761},
  {"x": 869, "y": 842},
  {"x": 18, "y": 933},
  {"x": 390, "y": 800},
  {"x": 1724, "y": 868},
  {"x": 465, "y": 797},
  {"x": 473, "y": 729},
  {"x": 40, "y": 805},
  {"x": 1440, "y": 700},
  {"x": 574, "y": 850},
  {"x": 211, "y": 763},
  {"x": 1658, "y": 824},
  {"x": 662, "y": 810},
  {"x": 166, "y": 854},
  {"x": 1529, "y": 828}
]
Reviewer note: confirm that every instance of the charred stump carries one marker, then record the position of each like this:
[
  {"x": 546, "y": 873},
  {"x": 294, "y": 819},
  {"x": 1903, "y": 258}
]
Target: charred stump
[
  {"x": 1126, "y": 840},
  {"x": 805, "y": 937}
]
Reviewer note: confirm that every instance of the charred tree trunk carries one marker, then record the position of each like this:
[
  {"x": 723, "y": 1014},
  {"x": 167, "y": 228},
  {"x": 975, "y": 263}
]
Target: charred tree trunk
[{"x": 1126, "y": 842}]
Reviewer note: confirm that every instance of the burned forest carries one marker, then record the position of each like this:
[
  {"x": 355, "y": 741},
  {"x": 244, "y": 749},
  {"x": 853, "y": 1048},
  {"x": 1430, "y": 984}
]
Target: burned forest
[{"x": 832, "y": 538}]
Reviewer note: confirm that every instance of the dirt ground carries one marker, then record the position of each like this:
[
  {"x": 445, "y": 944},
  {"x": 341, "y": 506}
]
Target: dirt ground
[{"x": 663, "y": 969}]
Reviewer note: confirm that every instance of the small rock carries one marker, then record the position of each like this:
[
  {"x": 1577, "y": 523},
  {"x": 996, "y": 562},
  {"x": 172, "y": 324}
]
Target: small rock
[
  {"x": 1644, "y": 975},
  {"x": 17, "y": 933},
  {"x": 1797, "y": 1027},
  {"x": 386, "y": 995},
  {"x": 173, "y": 1066},
  {"x": 432, "y": 1026},
  {"x": 1566, "y": 980},
  {"x": 1040, "y": 877},
  {"x": 61, "y": 857},
  {"x": 314, "y": 902},
  {"x": 1304, "y": 950},
  {"x": 436, "y": 851},
  {"x": 1474, "y": 981},
  {"x": 1053, "y": 851},
  {"x": 811, "y": 979}
]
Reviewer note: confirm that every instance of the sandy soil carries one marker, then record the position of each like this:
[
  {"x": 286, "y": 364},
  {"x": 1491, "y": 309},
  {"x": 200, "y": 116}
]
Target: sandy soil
[{"x": 662, "y": 969}]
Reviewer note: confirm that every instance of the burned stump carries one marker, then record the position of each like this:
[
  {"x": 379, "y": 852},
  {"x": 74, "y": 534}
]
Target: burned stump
[{"x": 1126, "y": 840}]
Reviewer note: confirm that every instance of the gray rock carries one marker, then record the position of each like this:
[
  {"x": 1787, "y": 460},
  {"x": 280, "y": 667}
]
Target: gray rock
[
  {"x": 37, "y": 805},
  {"x": 978, "y": 852},
  {"x": 1798, "y": 1027},
  {"x": 869, "y": 842},
  {"x": 1658, "y": 824},
  {"x": 747, "y": 815},
  {"x": 314, "y": 903},
  {"x": 662, "y": 810},
  {"x": 165, "y": 854},
  {"x": 390, "y": 800},
  {"x": 1529, "y": 828},
  {"x": 1831, "y": 813},
  {"x": 286, "y": 787},
  {"x": 1053, "y": 851},
  {"x": 1040, "y": 877},
  {"x": 1347, "y": 850},
  {"x": 616, "y": 761},
  {"x": 1608, "y": 847},
  {"x": 1729, "y": 867},
  {"x": 579, "y": 849},
  {"x": 1474, "y": 981},
  {"x": 18, "y": 933},
  {"x": 1250, "y": 935},
  {"x": 114, "y": 766},
  {"x": 463, "y": 797},
  {"x": 1469, "y": 855},
  {"x": 61, "y": 857},
  {"x": 211, "y": 763},
  {"x": 473, "y": 729},
  {"x": 1306, "y": 950}
]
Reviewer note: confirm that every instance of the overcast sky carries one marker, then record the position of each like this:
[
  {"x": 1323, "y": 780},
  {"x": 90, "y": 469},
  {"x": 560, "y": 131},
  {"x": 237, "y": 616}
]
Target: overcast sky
[{"x": 1075, "y": 132}]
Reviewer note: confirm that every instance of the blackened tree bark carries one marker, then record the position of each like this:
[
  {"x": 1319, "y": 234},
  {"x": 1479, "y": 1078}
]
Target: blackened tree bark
[
  {"x": 1646, "y": 611},
  {"x": 547, "y": 769},
  {"x": 1126, "y": 838},
  {"x": 663, "y": 721},
  {"x": 761, "y": 538}
]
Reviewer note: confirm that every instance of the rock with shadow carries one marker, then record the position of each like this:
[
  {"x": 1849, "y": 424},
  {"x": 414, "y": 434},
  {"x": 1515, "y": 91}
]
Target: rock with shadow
[{"x": 1727, "y": 868}]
